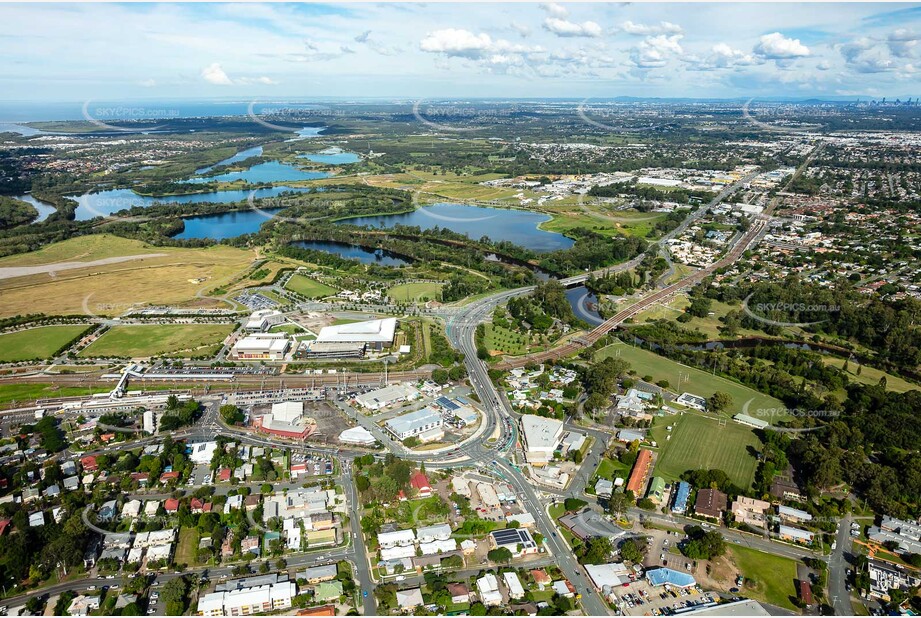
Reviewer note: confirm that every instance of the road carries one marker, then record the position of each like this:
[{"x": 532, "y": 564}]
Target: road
[{"x": 837, "y": 569}]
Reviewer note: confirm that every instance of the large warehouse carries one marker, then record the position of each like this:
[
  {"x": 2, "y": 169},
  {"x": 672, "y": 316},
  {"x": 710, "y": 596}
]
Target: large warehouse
[
  {"x": 375, "y": 334},
  {"x": 262, "y": 346}
]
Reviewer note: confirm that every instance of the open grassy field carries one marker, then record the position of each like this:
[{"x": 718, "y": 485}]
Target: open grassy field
[
  {"x": 768, "y": 578},
  {"x": 693, "y": 380},
  {"x": 871, "y": 375},
  {"x": 305, "y": 286},
  {"x": 36, "y": 390},
  {"x": 39, "y": 342},
  {"x": 145, "y": 340},
  {"x": 167, "y": 275},
  {"x": 505, "y": 341},
  {"x": 699, "y": 442},
  {"x": 415, "y": 291}
]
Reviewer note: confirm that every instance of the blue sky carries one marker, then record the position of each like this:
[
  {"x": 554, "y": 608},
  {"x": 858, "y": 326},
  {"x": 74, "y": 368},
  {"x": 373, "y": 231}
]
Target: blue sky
[{"x": 72, "y": 52}]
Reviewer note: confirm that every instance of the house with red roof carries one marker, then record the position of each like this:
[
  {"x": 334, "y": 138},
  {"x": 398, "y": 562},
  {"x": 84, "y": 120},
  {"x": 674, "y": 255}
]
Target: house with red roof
[
  {"x": 298, "y": 469},
  {"x": 420, "y": 483},
  {"x": 107, "y": 437},
  {"x": 166, "y": 477},
  {"x": 89, "y": 463},
  {"x": 171, "y": 505},
  {"x": 4, "y": 525},
  {"x": 224, "y": 474},
  {"x": 141, "y": 478}
]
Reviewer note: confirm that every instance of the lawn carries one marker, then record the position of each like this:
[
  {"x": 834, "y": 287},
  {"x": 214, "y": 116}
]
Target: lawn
[
  {"x": 768, "y": 577},
  {"x": 610, "y": 469},
  {"x": 305, "y": 286},
  {"x": 157, "y": 339},
  {"x": 39, "y": 342},
  {"x": 505, "y": 341},
  {"x": 693, "y": 380},
  {"x": 415, "y": 291},
  {"x": 34, "y": 391},
  {"x": 187, "y": 549},
  {"x": 871, "y": 375},
  {"x": 699, "y": 442}
]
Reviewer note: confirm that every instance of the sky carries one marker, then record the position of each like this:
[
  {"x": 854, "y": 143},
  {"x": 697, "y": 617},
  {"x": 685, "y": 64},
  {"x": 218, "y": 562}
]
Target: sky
[{"x": 78, "y": 52}]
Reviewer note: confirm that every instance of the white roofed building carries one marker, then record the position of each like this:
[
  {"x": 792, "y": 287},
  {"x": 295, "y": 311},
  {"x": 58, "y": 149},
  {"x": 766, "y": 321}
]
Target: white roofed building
[
  {"x": 376, "y": 334},
  {"x": 287, "y": 411},
  {"x": 357, "y": 435},
  {"x": 425, "y": 424},
  {"x": 541, "y": 436}
]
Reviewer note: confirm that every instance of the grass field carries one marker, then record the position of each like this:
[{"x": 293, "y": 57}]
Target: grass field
[
  {"x": 187, "y": 549},
  {"x": 505, "y": 341},
  {"x": 699, "y": 442},
  {"x": 32, "y": 391},
  {"x": 768, "y": 578},
  {"x": 156, "y": 339},
  {"x": 39, "y": 342},
  {"x": 305, "y": 286},
  {"x": 693, "y": 380},
  {"x": 871, "y": 375},
  {"x": 415, "y": 291},
  {"x": 174, "y": 276}
]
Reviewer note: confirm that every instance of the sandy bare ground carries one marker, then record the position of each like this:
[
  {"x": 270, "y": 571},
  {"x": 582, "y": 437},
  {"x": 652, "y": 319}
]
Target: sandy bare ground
[{"x": 25, "y": 271}]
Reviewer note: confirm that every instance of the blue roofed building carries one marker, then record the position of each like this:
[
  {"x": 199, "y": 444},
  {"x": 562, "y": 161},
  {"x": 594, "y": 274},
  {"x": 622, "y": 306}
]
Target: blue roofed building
[
  {"x": 660, "y": 577},
  {"x": 680, "y": 504}
]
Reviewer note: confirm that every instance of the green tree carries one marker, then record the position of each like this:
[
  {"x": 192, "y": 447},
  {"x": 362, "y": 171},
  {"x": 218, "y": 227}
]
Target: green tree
[
  {"x": 719, "y": 401},
  {"x": 500, "y": 554}
]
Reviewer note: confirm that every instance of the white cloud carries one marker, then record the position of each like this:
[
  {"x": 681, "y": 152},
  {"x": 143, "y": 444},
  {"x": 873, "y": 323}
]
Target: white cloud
[
  {"x": 456, "y": 42},
  {"x": 722, "y": 56},
  {"x": 521, "y": 29},
  {"x": 465, "y": 44},
  {"x": 902, "y": 42},
  {"x": 865, "y": 55},
  {"x": 655, "y": 51},
  {"x": 555, "y": 10},
  {"x": 148, "y": 83},
  {"x": 214, "y": 74},
  {"x": 776, "y": 46},
  {"x": 565, "y": 28},
  {"x": 363, "y": 37},
  {"x": 663, "y": 27}
]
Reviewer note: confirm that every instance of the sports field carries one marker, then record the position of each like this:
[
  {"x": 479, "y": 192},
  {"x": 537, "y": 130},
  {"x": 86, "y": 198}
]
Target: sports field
[
  {"x": 692, "y": 380},
  {"x": 140, "y": 341},
  {"x": 39, "y": 342},
  {"x": 699, "y": 442},
  {"x": 415, "y": 291},
  {"x": 305, "y": 286}
]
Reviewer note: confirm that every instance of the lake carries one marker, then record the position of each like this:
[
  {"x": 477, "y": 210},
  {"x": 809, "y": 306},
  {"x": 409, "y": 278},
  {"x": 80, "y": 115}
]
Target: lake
[
  {"x": 270, "y": 171},
  {"x": 579, "y": 299},
  {"x": 240, "y": 156},
  {"x": 353, "y": 252},
  {"x": 44, "y": 210},
  {"x": 105, "y": 203},
  {"x": 516, "y": 226},
  {"x": 332, "y": 156},
  {"x": 226, "y": 224}
]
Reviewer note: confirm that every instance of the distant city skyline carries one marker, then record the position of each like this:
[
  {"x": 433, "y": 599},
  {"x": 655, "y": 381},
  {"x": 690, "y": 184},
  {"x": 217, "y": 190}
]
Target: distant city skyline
[{"x": 81, "y": 52}]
